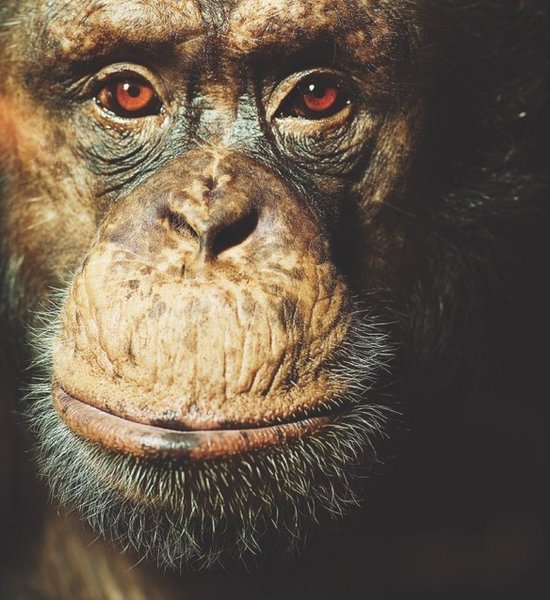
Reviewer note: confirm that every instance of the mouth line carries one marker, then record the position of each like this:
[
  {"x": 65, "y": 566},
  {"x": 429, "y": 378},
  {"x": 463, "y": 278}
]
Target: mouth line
[{"x": 149, "y": 441}]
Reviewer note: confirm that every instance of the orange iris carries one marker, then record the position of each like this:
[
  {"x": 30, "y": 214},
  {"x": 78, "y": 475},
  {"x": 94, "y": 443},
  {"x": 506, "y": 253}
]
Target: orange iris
[
  {"x": 320, "y": 100},
  {"x": 133, "y": 97}
]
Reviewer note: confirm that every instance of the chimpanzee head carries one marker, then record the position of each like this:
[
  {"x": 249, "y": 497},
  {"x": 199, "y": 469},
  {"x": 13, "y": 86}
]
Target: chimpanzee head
[{"x": 218, "y": 228}]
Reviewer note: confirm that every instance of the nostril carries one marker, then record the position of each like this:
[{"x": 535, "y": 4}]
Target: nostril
[
  {"x": 179, "y": 224},
  {"x": 209, "y": 183},
  {"x": 215, "y": 234},
  {"x": 235, "y": 234}
]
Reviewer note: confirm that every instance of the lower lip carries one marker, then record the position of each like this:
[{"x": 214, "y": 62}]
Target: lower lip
[{"x": 147, "y": 441}]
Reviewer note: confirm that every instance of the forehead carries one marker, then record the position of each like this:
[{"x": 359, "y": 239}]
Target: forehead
[
  {"x": 209, "y": 12},
  {"x": 177, "y": 20},
  {"x": 268, "y": 21}
]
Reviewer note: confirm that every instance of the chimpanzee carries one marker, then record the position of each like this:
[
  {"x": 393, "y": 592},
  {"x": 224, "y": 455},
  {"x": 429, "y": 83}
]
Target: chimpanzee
[{"x": 265, "y": 261}]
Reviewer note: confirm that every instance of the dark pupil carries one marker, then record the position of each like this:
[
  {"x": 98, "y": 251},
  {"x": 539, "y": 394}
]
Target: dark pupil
[
  {"x": 316, "y": 90},
  {"x": 133, "y": 91}
]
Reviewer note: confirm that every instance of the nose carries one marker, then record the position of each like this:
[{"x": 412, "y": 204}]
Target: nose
[{"x": 209, "y": 212}]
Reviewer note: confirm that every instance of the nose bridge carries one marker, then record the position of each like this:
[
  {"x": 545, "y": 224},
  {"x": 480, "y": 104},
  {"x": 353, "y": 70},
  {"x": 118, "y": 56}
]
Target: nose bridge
[
  {"x": 204, "y": 197},
  {"x": 219, "y": 104}
]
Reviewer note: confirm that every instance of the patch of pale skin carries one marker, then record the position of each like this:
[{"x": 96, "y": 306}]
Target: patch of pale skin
[{"x": 204, "y": 344}]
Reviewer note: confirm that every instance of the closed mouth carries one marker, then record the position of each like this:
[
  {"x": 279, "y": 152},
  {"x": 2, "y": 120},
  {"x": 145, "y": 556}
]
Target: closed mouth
[{"x": 149, "y": 441}]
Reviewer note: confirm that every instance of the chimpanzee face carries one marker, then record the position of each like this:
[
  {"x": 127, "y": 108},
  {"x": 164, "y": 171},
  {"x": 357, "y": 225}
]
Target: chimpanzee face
[{"x": 195, "y": 198}]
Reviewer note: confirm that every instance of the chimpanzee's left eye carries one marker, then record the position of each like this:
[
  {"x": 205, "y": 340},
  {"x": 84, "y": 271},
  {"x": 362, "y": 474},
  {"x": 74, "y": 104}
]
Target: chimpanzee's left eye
[{"x": 317, "y": 96}]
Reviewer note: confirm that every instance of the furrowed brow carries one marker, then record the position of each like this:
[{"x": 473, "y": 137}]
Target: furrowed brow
[
  {"x": 273, "y": 33},
  {"x": 100, "y": 28}
]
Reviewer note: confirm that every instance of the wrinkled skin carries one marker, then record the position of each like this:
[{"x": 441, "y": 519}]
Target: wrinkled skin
[{"x": 235, "y": 299}]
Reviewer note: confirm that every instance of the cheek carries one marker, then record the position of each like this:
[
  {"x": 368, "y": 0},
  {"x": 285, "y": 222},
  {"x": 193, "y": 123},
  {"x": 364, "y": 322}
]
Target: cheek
[
  {"x": 48, "y": 213},
  {"x": 7, "y": 127},
  {"x": 50, "y": 236},
  {"x": 389, "y": 174}
]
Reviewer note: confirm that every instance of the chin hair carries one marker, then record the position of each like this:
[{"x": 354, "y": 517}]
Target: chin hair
[{"x": 211, "y": 512}]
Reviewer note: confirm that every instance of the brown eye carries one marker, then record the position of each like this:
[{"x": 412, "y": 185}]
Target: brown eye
[
  {"x": 316, "y": 97},
  {"x": 130, "y": 98}
]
